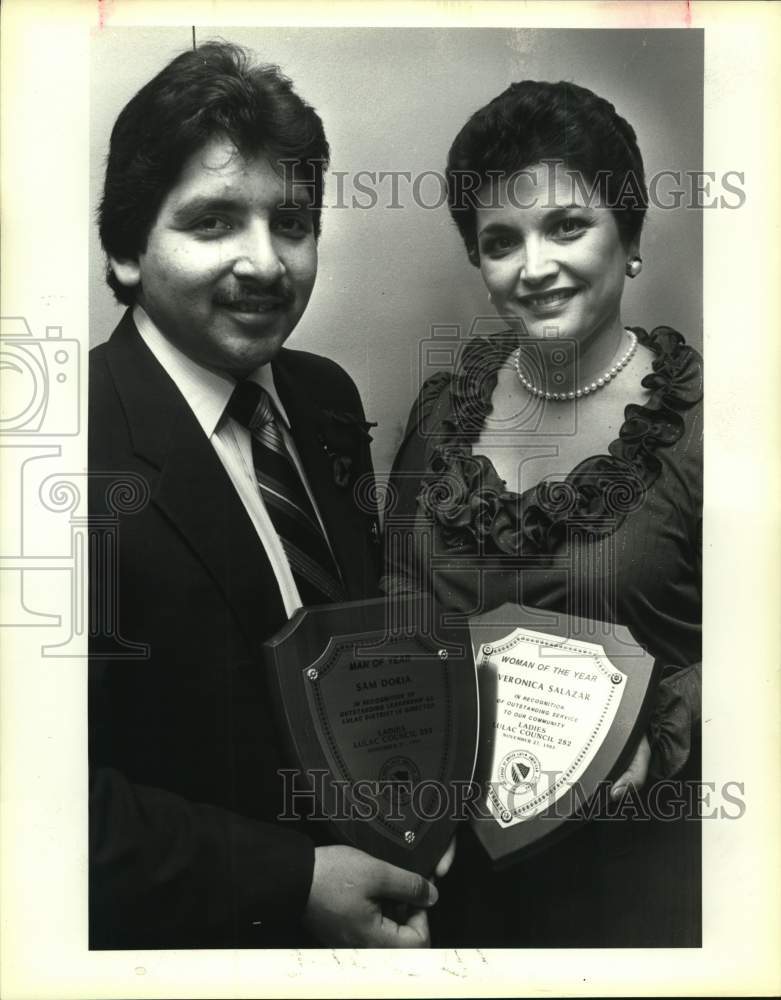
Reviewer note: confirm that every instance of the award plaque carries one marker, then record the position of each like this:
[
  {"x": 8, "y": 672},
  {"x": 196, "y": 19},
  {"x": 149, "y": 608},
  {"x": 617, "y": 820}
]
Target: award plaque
[
  {"x": 563, "y": 704},
  {"x": 379, "y": 710}
]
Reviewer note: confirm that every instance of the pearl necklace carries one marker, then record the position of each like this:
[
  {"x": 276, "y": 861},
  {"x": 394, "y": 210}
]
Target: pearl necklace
[{"x": 590, "y": 387}]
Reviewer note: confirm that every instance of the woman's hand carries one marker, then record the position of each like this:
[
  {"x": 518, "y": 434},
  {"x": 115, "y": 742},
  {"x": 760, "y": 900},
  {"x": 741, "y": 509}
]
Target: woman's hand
[
  {"x": 637, "y": 772},
  {"x": 443, "y": 867}
]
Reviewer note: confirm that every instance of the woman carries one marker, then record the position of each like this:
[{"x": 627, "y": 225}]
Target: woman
[{"x": 559, "y": 466}]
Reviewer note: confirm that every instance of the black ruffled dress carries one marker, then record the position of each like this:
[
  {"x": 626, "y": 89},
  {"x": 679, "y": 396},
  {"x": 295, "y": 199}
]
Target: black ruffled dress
[{"x": 617, "y": 540}]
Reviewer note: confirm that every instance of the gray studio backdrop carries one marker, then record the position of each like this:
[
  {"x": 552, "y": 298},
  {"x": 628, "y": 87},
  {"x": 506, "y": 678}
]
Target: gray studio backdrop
[{"x": 392, "y": 99}]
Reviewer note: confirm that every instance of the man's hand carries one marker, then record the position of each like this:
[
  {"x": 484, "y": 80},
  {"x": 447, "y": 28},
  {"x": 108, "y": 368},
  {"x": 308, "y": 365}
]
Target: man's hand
[
  {"x": 345, "y": 906},
  {"x": 637, "y": 772}
]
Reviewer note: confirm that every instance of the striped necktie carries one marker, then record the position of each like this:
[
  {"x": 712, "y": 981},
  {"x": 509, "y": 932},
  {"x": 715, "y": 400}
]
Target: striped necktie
[{"x": 287, "y": 501}]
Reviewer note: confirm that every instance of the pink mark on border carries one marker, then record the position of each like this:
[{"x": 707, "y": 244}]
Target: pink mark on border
[
  {"x": 652, "y": 13},
  {"x": 103, "y": 10}
]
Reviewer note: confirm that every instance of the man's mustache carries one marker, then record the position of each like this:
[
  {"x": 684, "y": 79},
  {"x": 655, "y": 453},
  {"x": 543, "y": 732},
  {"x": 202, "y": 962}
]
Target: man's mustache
[{"x": 256, "y": 296}]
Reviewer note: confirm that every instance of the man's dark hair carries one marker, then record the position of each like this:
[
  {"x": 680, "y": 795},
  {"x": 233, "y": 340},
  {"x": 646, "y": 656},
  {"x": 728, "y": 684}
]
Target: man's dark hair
[
  {"x": 534, "y": 122},
  {"x": 213, "y": 90}
]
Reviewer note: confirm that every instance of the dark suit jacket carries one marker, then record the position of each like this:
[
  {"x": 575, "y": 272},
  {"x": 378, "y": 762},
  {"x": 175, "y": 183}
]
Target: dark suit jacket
[{"x": 185, "y": 850}]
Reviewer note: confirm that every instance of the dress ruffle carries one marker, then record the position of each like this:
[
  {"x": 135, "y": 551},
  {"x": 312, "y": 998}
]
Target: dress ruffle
[
  {"x": 471, "y": 505},
  {"x": 475, "y": 513}
]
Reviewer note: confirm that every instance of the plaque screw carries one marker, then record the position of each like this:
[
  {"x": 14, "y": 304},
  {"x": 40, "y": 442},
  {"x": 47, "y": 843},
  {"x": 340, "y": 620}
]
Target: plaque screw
[
  {"x": 409, "y": 837},
  {"x": 442, "y": 654},
  {"x": 616, "y": 678},
  {"x": 312, "y": 674},
  {"x": 506, "y": 817},
  {"x": 487, "y": 650}
]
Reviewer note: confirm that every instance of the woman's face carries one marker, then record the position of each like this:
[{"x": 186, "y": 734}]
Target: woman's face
[{"x": 550, "y": 255}]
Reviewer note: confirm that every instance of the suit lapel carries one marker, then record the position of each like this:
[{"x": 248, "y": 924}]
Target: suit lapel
[
  {"x": 336, "y": 505},
  {"x": 193, "y": 489}
]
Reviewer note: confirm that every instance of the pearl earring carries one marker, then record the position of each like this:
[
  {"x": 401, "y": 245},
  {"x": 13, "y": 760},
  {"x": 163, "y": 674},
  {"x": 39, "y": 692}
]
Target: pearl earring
[{"x": 634, "y": 266}]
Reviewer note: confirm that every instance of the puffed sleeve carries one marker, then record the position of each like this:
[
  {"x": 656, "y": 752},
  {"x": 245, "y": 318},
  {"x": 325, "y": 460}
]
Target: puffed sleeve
[
  {"x": 401, "y": 573},
  {"x": 677, "y": 712}
]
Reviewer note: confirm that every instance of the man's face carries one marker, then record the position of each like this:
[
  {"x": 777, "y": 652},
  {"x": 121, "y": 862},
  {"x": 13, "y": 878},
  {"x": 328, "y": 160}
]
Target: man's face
[{"x": 230, "y": 260}]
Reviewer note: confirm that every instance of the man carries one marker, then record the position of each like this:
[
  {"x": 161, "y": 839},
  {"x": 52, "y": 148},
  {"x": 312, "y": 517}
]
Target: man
[{"x": 211, "y": 242}]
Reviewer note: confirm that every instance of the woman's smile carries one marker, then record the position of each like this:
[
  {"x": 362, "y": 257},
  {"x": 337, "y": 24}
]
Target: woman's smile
[{"x": 548, "y": 303}]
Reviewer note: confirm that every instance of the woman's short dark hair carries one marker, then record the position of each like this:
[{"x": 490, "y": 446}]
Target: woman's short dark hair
[
  {"x": 534, "y": 122},
  {"x": 209, "y": 91}
]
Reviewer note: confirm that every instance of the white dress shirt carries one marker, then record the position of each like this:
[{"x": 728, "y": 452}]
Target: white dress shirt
[{"x": 207, "y": 394}]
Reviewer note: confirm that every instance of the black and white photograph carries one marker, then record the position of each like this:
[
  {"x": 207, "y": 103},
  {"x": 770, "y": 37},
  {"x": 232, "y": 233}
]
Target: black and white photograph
[{"x": 389, "y": 578}]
